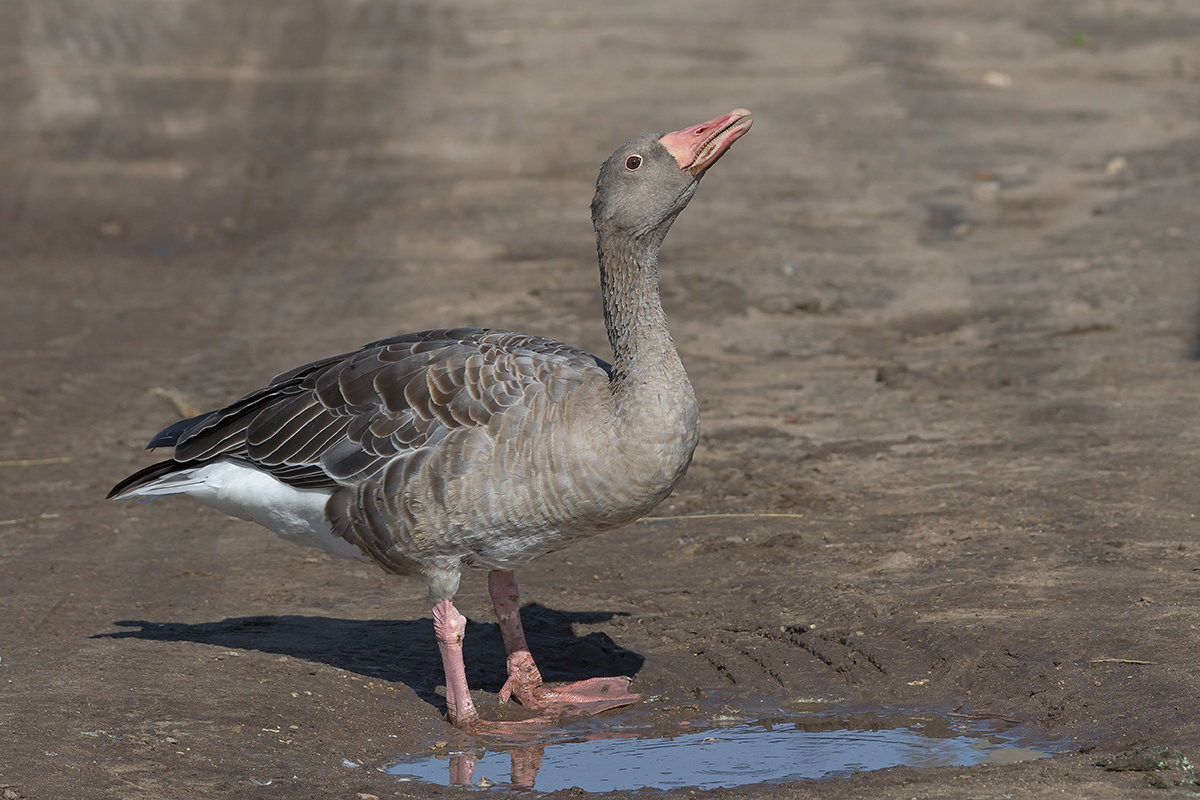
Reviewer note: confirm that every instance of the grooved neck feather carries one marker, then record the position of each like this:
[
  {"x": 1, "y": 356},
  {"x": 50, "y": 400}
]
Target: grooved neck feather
[{"x": 648, "y": 375}]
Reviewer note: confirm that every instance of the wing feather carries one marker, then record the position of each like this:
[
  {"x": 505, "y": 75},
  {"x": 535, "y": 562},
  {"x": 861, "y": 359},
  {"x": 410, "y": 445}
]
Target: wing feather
[
  {"x": 345, "y": 419},
  {"x": 273, "y": 428}
]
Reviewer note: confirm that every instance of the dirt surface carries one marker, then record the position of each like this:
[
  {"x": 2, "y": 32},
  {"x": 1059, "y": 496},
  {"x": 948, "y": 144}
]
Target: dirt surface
[{"x": 940, "y": 308}]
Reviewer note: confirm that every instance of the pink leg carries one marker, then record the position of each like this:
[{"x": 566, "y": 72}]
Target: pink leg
[
  {"x": 525, "y": 682},
  {"x": 523, "y": 674},
  {"x": 448, "y": 626}
]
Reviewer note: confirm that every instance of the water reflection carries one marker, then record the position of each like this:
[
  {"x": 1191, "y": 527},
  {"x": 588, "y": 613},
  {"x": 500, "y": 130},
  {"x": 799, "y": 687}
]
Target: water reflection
[
  {"x": 524, "y": 763},
  {"x": 776, "y": 750}
]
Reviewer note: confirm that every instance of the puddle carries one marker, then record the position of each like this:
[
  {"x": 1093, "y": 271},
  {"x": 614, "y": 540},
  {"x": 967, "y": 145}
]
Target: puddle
[{"x": 779, "y": 749}]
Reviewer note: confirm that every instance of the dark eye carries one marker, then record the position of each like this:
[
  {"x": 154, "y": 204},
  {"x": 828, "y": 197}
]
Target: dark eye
[{"x": 633, "y": 162}]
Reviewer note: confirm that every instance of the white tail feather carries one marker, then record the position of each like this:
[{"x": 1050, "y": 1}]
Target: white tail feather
[{"x": 240, "y": 490}]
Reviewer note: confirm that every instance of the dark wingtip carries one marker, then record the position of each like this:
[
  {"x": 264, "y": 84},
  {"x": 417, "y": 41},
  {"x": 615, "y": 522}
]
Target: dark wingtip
[
  {"x": 170, "y": 435},
  {"x": 145, "y": 475}
]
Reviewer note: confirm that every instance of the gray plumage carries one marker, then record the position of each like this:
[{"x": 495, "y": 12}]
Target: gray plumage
[
  {"x": 432, "y": 452},
  {"x": 446, "y": 449}
]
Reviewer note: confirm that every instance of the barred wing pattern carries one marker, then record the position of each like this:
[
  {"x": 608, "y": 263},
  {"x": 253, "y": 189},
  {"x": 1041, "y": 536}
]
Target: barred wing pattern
[{"x": 342, "y": 420}]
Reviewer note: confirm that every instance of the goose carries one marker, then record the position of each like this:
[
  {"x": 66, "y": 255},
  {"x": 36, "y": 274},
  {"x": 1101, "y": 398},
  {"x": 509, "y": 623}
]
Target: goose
[{"x": 433, "y": 452}]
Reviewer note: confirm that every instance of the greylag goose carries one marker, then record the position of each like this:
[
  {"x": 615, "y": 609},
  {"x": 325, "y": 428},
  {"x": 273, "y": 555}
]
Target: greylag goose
[{"x": 431, "y": 452}]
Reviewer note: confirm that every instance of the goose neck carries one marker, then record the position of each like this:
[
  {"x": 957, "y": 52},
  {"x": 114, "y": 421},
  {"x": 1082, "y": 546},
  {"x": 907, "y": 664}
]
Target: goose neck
[{"x": 645, "y": 361}]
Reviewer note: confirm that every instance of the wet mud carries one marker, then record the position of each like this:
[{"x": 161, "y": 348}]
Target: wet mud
[{"x": 941, "y": 309}]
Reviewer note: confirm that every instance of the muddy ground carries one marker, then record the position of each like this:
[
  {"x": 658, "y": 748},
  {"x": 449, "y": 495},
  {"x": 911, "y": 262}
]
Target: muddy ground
[{"x": 940, "y": 308}]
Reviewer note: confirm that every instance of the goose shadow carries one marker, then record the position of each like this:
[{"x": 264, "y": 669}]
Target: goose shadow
[{"x": 405, "y": 651}]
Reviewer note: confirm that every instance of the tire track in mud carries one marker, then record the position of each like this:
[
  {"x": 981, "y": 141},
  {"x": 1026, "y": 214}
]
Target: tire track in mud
[
  {"x": 836, "y": 650},
  {"x": 789, "y": 657}
]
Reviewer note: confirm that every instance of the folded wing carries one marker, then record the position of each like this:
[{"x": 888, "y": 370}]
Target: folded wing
[{"x": 342, "y": 420}]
